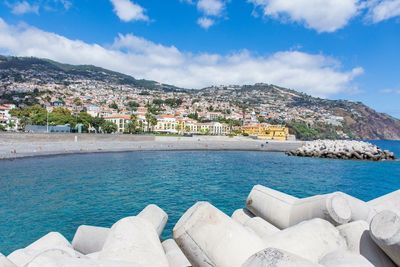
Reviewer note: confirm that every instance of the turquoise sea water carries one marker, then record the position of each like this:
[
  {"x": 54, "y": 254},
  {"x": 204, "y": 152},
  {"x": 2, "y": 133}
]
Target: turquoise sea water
[{"x": 38, "y": 195}]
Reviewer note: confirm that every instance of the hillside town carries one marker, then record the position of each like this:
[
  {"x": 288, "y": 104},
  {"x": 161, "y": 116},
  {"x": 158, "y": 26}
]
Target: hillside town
[
  {"x": 156, "y": 111},
  {"x": 129, "y": 105}
]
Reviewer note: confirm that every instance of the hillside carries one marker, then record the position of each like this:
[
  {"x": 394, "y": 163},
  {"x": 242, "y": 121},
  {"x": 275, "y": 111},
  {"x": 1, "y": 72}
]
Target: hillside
[{"x": 308, "y": 117}]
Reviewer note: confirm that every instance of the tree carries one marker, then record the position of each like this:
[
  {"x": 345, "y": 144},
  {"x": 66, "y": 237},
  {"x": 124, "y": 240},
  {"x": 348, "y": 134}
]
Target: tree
[
  {"x": 194, "y": 116},
  {"x": 62, "y": 116},
  {"x": 151, "y": 121},
  {"x": 113, "y": 105},
  {"x": 2, "y": 128},
  {"x": 133, "y": 105},
  {"x": 132, "y": 125},
  {"x": 109, "y": 127},
  {"x": 158, "y": 102},
  {"x": 77, "y": 101}
]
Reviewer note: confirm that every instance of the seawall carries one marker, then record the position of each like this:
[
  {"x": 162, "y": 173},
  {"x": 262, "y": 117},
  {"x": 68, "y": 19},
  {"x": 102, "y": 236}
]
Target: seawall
[{"x": 17, "y": 145}]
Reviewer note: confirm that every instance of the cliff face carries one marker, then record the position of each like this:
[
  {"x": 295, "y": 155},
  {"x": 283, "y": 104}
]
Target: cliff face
[{"x": 372, "y": 125}]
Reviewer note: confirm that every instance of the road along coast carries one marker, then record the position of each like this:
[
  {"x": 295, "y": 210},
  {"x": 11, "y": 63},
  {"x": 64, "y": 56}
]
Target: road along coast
[
  {"x": 272, "y": 229},
  {"x": 17, "y": 145}
]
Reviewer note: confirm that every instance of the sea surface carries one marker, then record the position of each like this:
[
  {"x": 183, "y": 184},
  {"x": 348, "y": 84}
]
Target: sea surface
[{"x": 59, "y": 193}]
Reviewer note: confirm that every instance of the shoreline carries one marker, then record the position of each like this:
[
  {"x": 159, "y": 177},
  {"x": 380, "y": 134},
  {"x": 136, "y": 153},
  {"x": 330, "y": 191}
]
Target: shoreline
[{"x": 22, "y": 145}]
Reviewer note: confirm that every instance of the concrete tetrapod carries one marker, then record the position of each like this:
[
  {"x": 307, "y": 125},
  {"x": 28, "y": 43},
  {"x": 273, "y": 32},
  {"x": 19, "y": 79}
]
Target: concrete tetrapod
[
  {"x": 342, "y": 258},
  {"x": 135, "y": 240},
  {"x": 156, "y": 216},
  {"x": 385, "y": 231},
  {"x": 62, "y": 260},
  {"x": 51, "y": 241},
  {"x": 242, "y": 215},
  {"x": 174, "y": 254},
  {"x": 273, "y": 257},
  {"x": 208, "y": 237},
  {"x": 389, "y": 201},
  {"x": 89, "y": 239},
  {"x": 359, "y": 241},
  {"x": 311, "y": 239},
  {"x": 360, "y": 210},
  {"x": 4, "y": 262},
  {"x": 261, "y": 227},
  {"x": 283, "y": 210}
]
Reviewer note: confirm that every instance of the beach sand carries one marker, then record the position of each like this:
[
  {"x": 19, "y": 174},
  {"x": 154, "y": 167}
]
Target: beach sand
[{"x": 17, "y": 145}]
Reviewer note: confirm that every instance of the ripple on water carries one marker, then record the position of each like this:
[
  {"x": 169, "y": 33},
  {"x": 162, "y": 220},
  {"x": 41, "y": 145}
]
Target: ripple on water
[{"x": 38, "y": 195}]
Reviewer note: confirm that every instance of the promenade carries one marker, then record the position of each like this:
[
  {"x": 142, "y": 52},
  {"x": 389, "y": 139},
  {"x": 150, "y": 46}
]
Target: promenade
[{"x": 17, "y": 145}]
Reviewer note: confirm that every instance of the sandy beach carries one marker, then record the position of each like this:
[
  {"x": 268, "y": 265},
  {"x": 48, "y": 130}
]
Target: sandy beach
[{"x": 18, "y": 145}]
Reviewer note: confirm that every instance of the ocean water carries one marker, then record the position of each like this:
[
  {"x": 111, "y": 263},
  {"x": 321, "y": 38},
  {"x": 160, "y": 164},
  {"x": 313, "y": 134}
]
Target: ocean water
[{"x": 39, "y": 195}]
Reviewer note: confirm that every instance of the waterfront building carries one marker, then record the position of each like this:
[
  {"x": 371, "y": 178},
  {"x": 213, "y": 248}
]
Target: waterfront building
[
  {"x": 8, "y": 122},
  {"x": 121, "y": 120},
  {"x": 166, "y": 123},
  {"x": 267, "y": 131}
]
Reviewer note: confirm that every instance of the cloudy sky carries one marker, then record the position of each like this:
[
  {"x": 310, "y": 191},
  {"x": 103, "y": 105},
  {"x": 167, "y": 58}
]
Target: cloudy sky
[{"x": 347, "y": 49}]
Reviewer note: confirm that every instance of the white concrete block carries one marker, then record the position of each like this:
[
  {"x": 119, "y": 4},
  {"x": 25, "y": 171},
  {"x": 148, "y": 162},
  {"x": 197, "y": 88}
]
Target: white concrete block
[
  {"x": 54, "y": 260},
  {"x": 273, "y": 257},
  {"x": 242, "y": 215},
  {"x": 174, "y": 254},
  {"x": 261, "y": 227},
  {"x": 385, "y": 231},
  {"x": 51, "y": 241},
  {"x": 360, "y": 210},
  {"x": 311, "y": 240},
  {"x": 283, "y": 210},
  {"x": 156, "y": 216},
  {"x": 208, "y": 237},
  {"x": 389, "y": 201},
  {"x": 134, "y": 240},
  {"x": 359, "y": 241},
  {"x": 89, "y": 239},
  {"x": 4, "y": 262},
  {"x": 342, "y": 258}
]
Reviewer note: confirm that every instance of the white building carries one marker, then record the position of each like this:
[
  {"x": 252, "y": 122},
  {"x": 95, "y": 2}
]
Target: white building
[
  {"x": 120, "y": 120},
  {"x": 8, "y": 122}
]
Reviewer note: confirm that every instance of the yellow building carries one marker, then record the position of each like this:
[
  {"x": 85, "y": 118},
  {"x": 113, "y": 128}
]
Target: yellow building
[{"x": 266, "y": 131}]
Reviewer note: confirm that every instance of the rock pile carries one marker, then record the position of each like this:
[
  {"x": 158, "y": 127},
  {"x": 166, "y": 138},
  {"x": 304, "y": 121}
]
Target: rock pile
[
  {"x": 273, "y": 230},
  {"x": 342, "y": 149}
]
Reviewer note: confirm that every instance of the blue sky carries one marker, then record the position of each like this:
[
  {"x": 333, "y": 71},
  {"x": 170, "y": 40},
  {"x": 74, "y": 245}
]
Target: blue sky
[{"x": 330, "y": 48}]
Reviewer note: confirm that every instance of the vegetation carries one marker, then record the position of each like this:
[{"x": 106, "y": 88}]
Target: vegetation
[{"x": 109, "y": 127}]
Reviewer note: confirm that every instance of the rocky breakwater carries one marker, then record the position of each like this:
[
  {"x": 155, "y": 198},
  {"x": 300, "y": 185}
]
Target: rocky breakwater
[
  {"x": 273, "y": 229},
  {"x": 342, "y": 149}
]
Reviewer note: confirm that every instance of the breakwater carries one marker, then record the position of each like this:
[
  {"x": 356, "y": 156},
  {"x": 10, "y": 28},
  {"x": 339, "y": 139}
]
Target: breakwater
[
  {"x": 272, "y": 229},
  {"x": 342, "y": 149}
]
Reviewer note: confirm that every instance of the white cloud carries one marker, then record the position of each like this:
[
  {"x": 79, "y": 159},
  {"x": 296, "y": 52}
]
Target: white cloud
[
  {"x": 205, "y": 23},
  {"x": 320, "y": 15},
  {"x": 211, "y": 7},
  {"x": 23, "y": 7},
  {"x": 390, "y": 91},
  {"x": 126, "y": 10},
  {"x": 380, "y": 10},
  {"x": 316, "y": 74}
]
